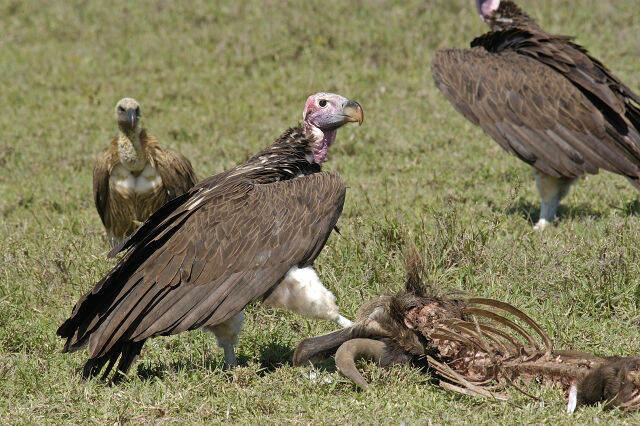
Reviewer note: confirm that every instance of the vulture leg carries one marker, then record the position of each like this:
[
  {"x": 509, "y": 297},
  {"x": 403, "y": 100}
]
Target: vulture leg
[
  {"x": 227, "y": 336},
  {"x": 551, "y": 191},
  {"x": 113, "y": 240},
  {"x": 302, "y": 292}
]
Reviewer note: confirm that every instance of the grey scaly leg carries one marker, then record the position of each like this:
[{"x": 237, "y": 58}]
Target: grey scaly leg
[{"x": 551, "y": 191}]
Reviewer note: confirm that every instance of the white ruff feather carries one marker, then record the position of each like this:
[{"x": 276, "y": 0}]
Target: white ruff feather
[
  {"x": 126, "y": 181},
  {"x": 302, "y": 292}
]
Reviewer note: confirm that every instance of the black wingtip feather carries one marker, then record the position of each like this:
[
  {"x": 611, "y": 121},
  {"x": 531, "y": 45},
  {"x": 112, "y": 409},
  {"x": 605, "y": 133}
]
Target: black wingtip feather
[{"x": 127, "y": 352}]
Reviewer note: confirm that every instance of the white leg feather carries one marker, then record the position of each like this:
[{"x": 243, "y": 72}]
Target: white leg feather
[
  {"x": 552, "y": 191},
  {"x": 227, "y": 337},
  {"x": 302, "y": 292}
]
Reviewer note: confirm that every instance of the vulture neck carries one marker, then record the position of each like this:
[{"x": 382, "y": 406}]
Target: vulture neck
[
  {"x": 130, "y": 150},
  {"x": 509, "y": 16},
  {"x": 289, "y": 157}
]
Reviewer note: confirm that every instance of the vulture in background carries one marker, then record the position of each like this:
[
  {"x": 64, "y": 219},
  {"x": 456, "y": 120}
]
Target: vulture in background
[
  {"x": 250, "y": 232},
  {"x": 543, "y": 98},
  {"x": 134, "y": 176}
]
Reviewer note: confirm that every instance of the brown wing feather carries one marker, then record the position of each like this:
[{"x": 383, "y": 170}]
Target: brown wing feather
[
  {"x": 534, "y": 112},
  {"x": 104, "y": 163},
  {"x": 250, "y": 237},
  {"x": 175, "y": 169}
]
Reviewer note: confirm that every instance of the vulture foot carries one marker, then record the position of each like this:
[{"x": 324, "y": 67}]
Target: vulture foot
[{"x": 541, "y": 225}]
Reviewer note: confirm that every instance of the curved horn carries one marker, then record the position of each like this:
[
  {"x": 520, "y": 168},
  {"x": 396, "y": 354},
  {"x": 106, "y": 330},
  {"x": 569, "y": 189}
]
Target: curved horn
[
  {"x": 349, "y": 350},
  {"x": 315, "y": 349}
]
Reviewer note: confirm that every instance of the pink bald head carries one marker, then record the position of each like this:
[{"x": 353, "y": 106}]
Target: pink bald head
[
  {"x": 486, "y": 8},
  {"x": 323, "y": 114}
]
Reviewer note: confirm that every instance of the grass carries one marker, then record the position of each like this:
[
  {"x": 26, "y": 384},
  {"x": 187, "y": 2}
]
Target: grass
[{"x": 220, "y": 81}]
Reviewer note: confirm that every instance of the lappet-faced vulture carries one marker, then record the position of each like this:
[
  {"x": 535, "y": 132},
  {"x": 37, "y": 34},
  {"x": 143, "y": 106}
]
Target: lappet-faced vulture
[
  {"x": 543, "y": 98},
  {"x": 134, "y": 176},
  {"x": 250, "y": 232}
]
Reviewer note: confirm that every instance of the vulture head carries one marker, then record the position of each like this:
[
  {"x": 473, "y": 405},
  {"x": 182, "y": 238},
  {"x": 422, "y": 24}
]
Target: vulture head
[
  {"x": 501, "y": 15},
  {"x": 128, "y": 114},
  {"x": 323, "y": 114},
  {"x": 487, "y": 8}
]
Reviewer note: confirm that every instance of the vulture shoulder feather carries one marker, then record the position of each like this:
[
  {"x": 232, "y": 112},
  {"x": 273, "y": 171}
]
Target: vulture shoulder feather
[
  {"x": 101, "y": 172},
  {"x": 174, "y": 169}
]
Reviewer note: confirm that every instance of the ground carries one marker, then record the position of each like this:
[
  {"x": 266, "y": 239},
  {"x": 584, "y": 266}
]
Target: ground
[{"x": 220, "y": 80}]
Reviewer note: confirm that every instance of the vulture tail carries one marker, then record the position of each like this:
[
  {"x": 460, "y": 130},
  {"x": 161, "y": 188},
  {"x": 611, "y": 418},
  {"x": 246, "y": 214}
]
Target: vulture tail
[{"x": 127, "y": 352}]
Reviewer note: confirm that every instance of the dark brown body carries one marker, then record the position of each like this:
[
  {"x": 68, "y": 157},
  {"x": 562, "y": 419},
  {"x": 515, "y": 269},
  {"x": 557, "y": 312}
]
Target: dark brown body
[{"x": 200, "y": 258}]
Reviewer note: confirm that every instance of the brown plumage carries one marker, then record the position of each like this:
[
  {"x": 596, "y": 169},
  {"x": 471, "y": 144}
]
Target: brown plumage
[
  {"x": 252, "y": 231},
  {"x": 474, "y": 346},
  {"x": 543, "y": 98},
  {"x": 134, "y": 175}
]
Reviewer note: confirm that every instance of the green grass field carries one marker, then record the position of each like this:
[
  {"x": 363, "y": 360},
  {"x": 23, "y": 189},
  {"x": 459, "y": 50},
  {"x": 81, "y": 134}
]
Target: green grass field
[{"x": 220, "y": 80}]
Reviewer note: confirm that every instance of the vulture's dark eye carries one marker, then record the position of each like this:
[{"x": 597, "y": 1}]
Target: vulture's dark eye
[
  {"x": 138, "y": 111},
  {"x": 322, "y": 103},
  {"x": 120, "y": 109}
]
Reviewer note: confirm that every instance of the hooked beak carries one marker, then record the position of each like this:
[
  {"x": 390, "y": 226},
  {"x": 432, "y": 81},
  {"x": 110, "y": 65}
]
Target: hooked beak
[
  {"x": 352, "y": 112},
  {"x": 131, "y": 116}
]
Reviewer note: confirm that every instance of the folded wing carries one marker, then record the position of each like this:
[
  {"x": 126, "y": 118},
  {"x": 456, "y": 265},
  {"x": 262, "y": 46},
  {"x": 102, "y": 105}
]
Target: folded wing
[
  {"x": 536, "y": 109},
  {"x": 175, "y": 279}
]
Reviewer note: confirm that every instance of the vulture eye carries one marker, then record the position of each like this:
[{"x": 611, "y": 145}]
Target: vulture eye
[
  {"x": 137, "y": 110},
  {"x": 322, "y": 103},
  {"x": 120, "y": 109}
]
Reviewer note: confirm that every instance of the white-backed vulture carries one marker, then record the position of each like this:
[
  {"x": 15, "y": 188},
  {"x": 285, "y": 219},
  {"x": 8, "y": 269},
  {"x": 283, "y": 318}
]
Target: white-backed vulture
[
  {"x": 134, "y": 176},
  {"x": 543, "y": 98},
  {"x": 250, "y": 232}
]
